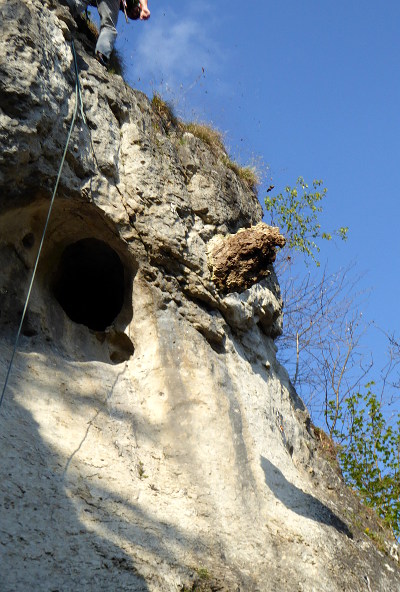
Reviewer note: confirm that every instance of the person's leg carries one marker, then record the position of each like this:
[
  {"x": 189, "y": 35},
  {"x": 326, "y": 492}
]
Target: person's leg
[{"x": 108, "y": 11}]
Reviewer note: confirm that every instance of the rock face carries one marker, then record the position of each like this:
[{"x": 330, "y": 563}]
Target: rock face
[{"x": 150, "y": 441}]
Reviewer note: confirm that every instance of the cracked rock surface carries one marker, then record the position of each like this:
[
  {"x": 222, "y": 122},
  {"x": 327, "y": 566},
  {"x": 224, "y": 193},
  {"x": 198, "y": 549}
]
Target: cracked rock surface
[{"x": 150, "y": 440}]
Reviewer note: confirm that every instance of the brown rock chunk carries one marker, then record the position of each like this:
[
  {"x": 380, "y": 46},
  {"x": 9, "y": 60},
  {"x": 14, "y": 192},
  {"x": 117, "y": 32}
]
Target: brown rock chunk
[{"x": 242, "y": 259}]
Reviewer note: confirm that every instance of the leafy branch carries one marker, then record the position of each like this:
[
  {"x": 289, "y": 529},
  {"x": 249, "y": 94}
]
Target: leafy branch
[{"x": 297, "y": 212}]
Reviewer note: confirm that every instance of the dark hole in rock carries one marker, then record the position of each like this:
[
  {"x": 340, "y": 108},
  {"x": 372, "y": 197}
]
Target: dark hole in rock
[
  {"x": 120, "y": 346},
  {"x": 29, "y": 332},
  {"x": 29, "y": 240},
  {"x": 89, "y": 283}
]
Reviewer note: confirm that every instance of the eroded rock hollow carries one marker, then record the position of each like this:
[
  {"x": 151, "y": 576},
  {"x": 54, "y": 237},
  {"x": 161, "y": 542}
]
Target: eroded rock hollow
[{"x": 150, "y": 440}]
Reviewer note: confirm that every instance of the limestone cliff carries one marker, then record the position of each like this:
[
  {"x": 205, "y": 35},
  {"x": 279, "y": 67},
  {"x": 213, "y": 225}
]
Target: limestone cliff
[{"x": 150, "y": 441}]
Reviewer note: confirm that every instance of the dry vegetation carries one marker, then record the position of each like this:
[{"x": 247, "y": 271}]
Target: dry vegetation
[
  {"x": 165, "y": 112},
  {"x": 116, "y": 63},
  {"x": 93, "y": 32},
  {"x": 212, "y": 137},
  {"x": 248, "y": 174},
  {"x": 329, "y": 448}
]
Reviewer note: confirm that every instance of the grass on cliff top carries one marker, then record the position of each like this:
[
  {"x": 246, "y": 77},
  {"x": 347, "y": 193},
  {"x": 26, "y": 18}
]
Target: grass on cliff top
[
  {"x": 247, "y": 174},
  {"x": 165, "y": 112},
  {"x": 212, "y": 137},
  {"x": 207, "y": 134}
]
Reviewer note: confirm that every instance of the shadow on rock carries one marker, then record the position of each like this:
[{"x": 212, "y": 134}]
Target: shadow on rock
[
  {"x": 298, "y": 501},
  {"x": 46, "y": 540}
]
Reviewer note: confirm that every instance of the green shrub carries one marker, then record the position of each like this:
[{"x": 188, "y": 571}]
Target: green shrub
[
  {"x": 370, "y": 455},
  {"x": 297, "y": 212}
]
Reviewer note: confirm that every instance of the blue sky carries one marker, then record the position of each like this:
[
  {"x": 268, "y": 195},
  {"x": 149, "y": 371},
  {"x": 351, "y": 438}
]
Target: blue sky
[{"x": 308, "y": 88}]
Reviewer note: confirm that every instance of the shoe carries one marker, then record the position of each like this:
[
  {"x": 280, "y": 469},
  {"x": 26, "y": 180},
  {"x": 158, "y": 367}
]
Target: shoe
[{"x": 101, "y": 58}]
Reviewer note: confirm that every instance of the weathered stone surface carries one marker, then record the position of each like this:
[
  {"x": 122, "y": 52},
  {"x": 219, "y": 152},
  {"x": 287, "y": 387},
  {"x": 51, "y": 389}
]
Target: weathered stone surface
[
  {"x": 259, "y": 305},
  {"x": 170, "y": 447},
  {"x": 241, "y": 260}
]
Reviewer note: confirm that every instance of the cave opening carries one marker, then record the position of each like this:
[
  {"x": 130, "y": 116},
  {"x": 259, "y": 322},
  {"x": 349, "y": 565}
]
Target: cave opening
[{"x": 89, "y": 283}]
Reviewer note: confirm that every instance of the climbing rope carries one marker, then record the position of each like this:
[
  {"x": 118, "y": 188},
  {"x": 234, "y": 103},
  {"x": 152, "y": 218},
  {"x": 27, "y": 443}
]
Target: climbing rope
[{"x": 78, "y": 101}]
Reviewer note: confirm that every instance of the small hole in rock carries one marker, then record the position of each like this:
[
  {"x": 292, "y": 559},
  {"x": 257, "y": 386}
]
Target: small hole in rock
[
  {"x": 120, "y": 346},
  {"x": 29, "y": 240},
  {"x": 28, "y": 328},
  {"x": 89, "y": 283},
  {"x": 28, "y": 332}
]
